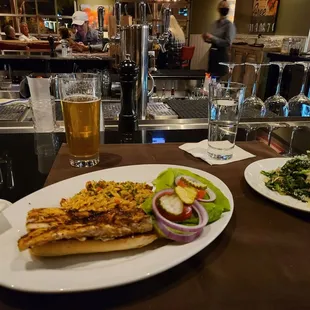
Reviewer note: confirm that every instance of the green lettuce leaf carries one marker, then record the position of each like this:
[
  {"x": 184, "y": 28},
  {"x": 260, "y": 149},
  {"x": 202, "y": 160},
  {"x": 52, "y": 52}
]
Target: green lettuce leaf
[{"x": 166, "y": 180}]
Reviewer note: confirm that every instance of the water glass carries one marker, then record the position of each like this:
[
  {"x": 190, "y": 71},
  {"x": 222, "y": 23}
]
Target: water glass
[
  {"x": 80, "y": 96},
  {"x": 225, "y": 108},
  {"x": 43, "y": 114}
]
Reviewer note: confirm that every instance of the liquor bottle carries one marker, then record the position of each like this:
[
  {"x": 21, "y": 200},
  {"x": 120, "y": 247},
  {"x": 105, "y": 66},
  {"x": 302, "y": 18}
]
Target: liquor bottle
[{"x": 128, "y": 123}]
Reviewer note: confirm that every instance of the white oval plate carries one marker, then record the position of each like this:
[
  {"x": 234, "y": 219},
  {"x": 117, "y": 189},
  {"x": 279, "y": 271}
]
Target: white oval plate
[
  {"x": 256, "y": 180},
  {"x": 96, "y": 271}
]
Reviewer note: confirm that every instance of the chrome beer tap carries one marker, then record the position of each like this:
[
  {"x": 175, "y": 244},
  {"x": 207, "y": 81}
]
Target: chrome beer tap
[
  {"x": 100, "y": 14},
  {"x": 117, "y": 14},
  {"x": 164, "y": 37}
]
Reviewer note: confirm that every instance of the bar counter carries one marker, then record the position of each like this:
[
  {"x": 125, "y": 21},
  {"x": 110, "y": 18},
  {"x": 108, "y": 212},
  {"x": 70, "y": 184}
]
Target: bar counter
[{"x": 260, "y": 261}]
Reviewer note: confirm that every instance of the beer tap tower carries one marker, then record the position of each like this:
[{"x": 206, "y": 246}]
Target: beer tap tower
[
  {"x": 100, "y": 14},
  {"x": 135, "y": 41}
]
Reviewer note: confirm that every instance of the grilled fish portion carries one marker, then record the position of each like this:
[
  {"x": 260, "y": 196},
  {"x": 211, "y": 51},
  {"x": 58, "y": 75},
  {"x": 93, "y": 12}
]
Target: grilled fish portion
[{"x": 52, "y": 224}]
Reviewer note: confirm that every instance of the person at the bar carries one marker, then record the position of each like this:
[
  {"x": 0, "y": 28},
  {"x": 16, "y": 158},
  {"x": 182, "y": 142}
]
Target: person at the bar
[
  {"x": 221, "y": 37},
  {"x": 65, "y": 35},
  {"x": 9, "y": 33},
  {"x": 84, "y": 34},
  {"x": 25, "y": 36}
]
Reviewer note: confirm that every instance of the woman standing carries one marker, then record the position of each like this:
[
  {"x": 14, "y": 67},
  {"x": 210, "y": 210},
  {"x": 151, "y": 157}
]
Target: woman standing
[{"x": 221, "y": 37}]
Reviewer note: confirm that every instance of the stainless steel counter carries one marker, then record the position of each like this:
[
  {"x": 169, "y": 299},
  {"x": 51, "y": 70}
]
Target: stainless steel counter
[{"x": 172, "y": 124}]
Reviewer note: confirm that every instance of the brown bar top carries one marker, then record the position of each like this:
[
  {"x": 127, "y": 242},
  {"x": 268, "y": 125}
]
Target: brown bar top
[{"x": 260, "y": 261}]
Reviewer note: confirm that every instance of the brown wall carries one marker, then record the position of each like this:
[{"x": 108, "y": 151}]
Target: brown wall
[
  {"x": 204, "y": 12},
  {"x": 293, "y": 17}
]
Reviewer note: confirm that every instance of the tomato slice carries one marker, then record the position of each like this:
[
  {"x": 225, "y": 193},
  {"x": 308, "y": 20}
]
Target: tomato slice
[
  {"x": 187, "y": 213},
  {"x": 181, "y": 183},
  {"x": 201, "y": 194}
]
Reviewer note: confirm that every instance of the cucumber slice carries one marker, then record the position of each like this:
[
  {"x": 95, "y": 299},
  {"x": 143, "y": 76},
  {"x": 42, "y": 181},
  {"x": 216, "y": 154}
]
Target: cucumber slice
[
  {"x": 186, "y": 194},
  {"x": 172, "y": 204}
]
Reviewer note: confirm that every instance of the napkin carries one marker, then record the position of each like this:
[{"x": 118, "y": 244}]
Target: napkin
[
  {"x": 199, "y": 150},
  {"x": 39, "y": 88}
]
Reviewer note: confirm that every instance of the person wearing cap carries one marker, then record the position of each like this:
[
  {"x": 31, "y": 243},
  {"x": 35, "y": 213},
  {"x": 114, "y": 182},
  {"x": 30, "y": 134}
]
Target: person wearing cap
[{"x": 84, "y": 33}]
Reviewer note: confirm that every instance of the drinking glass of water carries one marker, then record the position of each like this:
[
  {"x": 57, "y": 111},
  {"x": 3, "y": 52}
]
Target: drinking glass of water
[{"x": 225, "y": 108}]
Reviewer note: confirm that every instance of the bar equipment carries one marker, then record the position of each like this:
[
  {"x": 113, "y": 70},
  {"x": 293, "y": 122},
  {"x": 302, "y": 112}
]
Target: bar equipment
[
  {"x": 100, "y": 13},
  {"x": 136, "y": 42}
]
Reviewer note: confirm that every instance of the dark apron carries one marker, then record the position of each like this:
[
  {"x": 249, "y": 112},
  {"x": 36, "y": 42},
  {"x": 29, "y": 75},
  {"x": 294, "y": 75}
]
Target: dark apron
[{"x": 217, "y": 55}]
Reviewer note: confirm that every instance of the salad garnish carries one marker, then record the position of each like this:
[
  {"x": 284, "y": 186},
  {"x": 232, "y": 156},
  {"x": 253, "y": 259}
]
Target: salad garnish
[{"x": 183, "y": 204}]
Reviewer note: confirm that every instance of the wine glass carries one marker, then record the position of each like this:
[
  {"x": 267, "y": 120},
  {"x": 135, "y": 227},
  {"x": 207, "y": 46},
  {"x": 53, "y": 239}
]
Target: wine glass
[
  {"x": 290, "y": 152},
  {"x": 254, "y": 103},
  {"x": 276, "y": 103},
  {"x": 231, "y": 67},
  {"x": 300, "y": 104},
  {"x": 272, "y": 127}
]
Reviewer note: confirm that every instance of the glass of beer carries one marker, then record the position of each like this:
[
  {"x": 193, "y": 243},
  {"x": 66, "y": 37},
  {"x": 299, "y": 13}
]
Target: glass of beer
[{"x": 80, "y": 95}]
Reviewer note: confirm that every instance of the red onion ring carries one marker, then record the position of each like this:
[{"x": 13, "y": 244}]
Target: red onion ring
[
  {"x": 211, "y": 195},
  {"x": 201, "y": 211},
  {"x": 178, "y": 237}
]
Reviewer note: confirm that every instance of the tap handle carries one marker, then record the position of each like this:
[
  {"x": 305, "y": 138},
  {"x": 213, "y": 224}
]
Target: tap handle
[
  {"x": 118, "y": 12},
  {"x": 100, "y": 13},
  {"x": 126, "y": 9},
  {"x": 142, "y": 7},
  {"x": 166, "y": 19}
]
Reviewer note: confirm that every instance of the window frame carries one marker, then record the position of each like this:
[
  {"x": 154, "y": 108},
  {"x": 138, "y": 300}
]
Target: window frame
[{"x": 22, "y": 17}]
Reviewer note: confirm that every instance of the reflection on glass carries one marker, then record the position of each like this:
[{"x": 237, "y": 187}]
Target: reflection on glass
[
  {"x": 6, "y": 20},
  {"x": 46, "y": 8},
  {"x": 49, "y": 26},
  {"x": 300, "y": 104},
  {"x": 64, "y": 22},
  {"x": 66, "y": 7},
  {"x": 290, "y": 152},
  {"x": 6, "y": 7},
  {"x": 276, "y": 103},
  {"x": 26, "y": 7},
  {"x": 32, "y": 24}
]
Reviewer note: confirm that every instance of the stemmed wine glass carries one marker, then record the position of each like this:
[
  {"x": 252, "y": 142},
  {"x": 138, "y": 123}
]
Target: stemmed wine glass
[
  {"x": 231, "y": 67},
  {"x": 254, "y": 103},
  {"x": 300, "y": 104},
  {"x": 290, "y": 152},
  {"x": 276, "y": 103}
]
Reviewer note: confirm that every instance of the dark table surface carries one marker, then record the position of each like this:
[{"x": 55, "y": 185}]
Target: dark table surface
[
  {"x": 260, "y": 261},
  {"x": 33, "y": 154}
]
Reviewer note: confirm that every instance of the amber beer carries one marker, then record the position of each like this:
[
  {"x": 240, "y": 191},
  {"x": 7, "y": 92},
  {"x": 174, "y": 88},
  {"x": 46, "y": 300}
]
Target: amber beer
[{"x": 82, "y": 122}]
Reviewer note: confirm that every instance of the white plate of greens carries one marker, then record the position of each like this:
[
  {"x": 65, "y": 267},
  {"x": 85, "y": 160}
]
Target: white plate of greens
[{"x": 283, "y": 180}]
